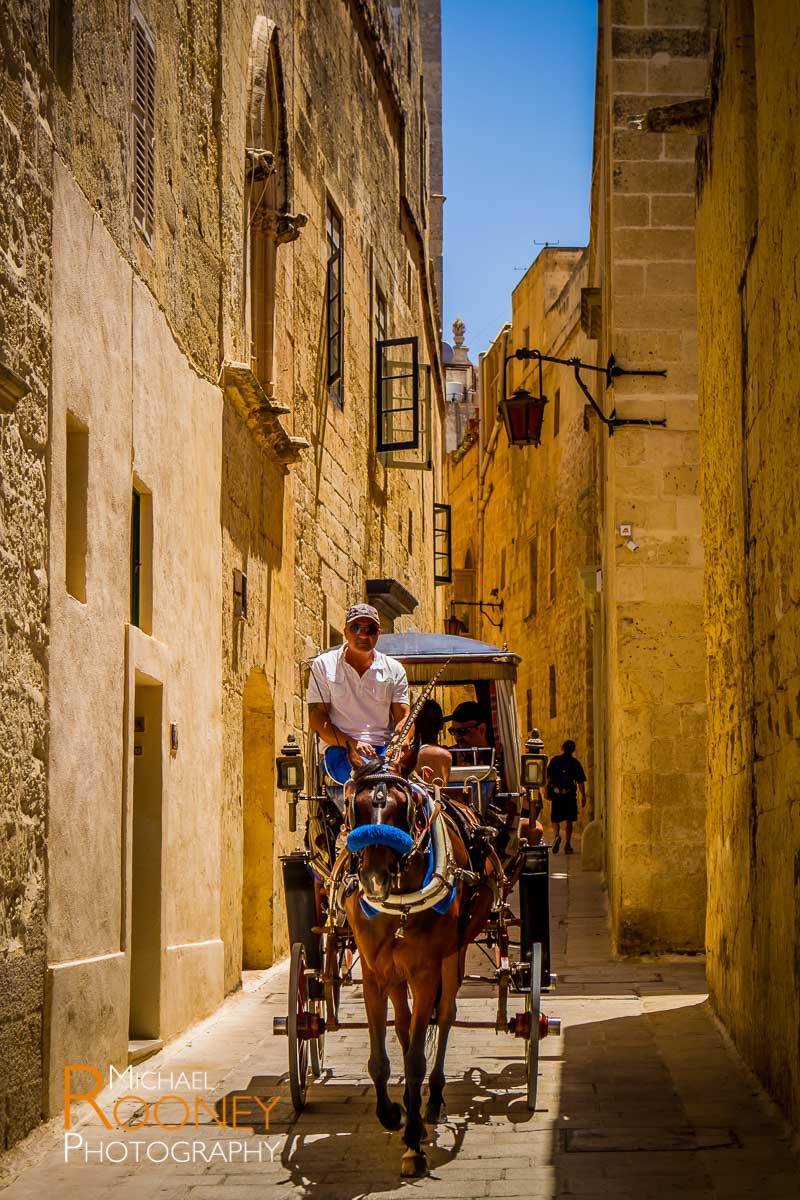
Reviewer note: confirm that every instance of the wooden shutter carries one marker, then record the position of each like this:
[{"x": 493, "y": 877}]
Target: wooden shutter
[{"x": 143, "y": 125}]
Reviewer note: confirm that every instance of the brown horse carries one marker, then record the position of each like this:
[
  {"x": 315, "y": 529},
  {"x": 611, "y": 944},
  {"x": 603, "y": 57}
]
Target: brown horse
[{"x": 423, "y": 955}]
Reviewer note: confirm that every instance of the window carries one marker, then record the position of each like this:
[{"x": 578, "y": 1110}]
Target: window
[
  {"x": 442, "y": 553},
  {"x": 533, "y": 576},
  {"x": 334, "y": 303},
  {"x": 551, "y": 687},
  {"x": 556, "y": 412},
  {"x": 143, "y": 126},
  {"x": 239, "y": 595},
  {"x": 423, "y": 147},
  {"x": 529, "y": 709},
  {"x": 77, "y": 481},
  {"x": 381, "y": 316},
  {"x": 142, "y": 558},
  {"x": 464, "y": 587},
  {"x": 398, "y": 401},
  {"x": 526, "y": 338},
  {"x": 552, "y": 564},
  {"x": 60, "y": 42}
]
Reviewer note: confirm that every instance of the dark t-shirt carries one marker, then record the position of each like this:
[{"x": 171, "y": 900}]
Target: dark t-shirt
[{"x": 564, "y": 773}]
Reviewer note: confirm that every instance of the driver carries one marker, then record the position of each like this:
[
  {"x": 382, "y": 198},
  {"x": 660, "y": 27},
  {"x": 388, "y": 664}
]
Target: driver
[{"x": 357, "y": 697}]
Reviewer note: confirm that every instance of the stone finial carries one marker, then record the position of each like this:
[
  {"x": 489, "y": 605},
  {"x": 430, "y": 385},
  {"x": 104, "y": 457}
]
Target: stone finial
[{"x": 458, "y": 332}]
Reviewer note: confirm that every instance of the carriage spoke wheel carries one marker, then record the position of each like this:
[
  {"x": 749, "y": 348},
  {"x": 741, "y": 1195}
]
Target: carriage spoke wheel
[
  {"x": 533, "y": 1007},
  {"x": 333, "y": 983},
  {"x": 316, "y": 1045},
  {"x": 299, "y": 1010}
]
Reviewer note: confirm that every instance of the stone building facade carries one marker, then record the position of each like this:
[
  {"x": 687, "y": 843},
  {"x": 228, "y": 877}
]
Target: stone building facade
[
  {"x": 525, "y": 517},
  {"x": 222, "y": 216},
  {"x": 24, "y": 635},
  {"x": 641, "y": 306},
  {"x": 748, "y": 242}
]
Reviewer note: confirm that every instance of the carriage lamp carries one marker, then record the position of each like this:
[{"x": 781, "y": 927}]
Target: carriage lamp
[
  {"x": 523, "y": 413},
  {"x": 289, "y": 763},
  {"x": 534, "y": 761}
]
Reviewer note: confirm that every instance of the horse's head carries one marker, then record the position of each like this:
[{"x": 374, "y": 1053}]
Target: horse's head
[{"x": 382, "y": 819}]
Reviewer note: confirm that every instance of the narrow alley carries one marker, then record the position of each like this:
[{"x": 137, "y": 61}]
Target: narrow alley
[{"x": 641, "y": 1097}]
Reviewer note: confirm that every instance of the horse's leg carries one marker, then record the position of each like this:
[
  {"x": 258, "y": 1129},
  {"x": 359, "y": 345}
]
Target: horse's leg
[
  {"x": 389, "y": 1114},
  {"x": 424, "y": 989},
  {"x": 446, "y": 1015},
  {"x": 398, "y": 994}
]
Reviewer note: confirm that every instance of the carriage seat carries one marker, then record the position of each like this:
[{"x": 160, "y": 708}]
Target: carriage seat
[{"x": 482, "y": 768}]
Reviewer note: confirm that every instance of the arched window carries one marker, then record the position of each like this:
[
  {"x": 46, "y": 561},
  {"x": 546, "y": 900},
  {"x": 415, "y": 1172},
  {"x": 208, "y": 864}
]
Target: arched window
[{"x": 267, "y": 198}]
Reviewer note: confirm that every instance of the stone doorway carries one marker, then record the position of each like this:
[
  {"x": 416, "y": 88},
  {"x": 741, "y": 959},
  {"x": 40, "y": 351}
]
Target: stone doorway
[
  {"x": 258, "y": 822},
  {"x": 145, "y": 951}
]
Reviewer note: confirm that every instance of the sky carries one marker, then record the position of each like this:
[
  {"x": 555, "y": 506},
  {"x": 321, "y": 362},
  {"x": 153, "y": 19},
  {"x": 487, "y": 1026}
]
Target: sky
[{"x": 518, "y": 99}]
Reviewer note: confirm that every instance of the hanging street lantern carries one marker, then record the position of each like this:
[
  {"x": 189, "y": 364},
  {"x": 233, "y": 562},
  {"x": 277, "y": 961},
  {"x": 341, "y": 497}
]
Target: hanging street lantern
[
  {"x": 523, "y": 415},
  {"x": 523, "y": 412},
  {"x": 453, "y": 625}
]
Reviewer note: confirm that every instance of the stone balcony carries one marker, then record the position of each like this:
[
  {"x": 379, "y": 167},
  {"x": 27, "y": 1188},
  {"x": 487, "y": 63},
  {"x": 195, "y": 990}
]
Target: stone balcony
[{"x": 260, "y": 413}]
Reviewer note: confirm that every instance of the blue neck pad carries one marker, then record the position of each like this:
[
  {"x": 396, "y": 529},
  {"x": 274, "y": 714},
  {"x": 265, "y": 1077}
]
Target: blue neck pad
[{"x": 379, "y": 835}]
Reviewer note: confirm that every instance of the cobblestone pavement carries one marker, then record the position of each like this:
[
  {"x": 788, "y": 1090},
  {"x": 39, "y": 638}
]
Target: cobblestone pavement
[{"x": 641, "y": 1097}]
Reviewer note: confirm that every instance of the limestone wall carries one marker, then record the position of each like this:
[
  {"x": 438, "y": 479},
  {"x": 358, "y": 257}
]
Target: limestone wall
[
  {"x": 642, "y": 260},
  {"x": 24, "y": 636},
  {"x": 526, "y": 492},
  {"x": 747, "y": 246}
]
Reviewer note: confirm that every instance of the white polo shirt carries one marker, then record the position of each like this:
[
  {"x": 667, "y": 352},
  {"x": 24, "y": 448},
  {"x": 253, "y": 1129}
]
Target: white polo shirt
[{"x": 359, "y": 705}]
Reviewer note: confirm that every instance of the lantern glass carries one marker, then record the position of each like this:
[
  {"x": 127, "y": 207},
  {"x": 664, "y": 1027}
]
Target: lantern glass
[
  {"x": 289, "y": 764},
  {"x": 523, "y": 415},
  {"x": 533, "y": 769}
]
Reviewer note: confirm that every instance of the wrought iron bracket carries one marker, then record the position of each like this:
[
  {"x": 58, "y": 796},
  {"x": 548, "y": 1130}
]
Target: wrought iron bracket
[
  {"x": 482, "y": 605},
  {"x": 612, "y": 370}
]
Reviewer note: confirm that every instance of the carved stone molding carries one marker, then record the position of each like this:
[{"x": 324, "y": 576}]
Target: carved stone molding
[
  {"x": 282, "y": 226},
  {"x": 12, "y": 388},
  {"x": 260, "y": 413},
  {"x": 260, "y": 164}
]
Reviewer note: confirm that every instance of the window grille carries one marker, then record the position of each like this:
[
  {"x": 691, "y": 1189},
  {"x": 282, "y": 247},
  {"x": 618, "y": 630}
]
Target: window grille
[
  {"x": 143, "y": 125},
  {"x": 335, "y": 302},
  {"x": 442, "y": 544}
]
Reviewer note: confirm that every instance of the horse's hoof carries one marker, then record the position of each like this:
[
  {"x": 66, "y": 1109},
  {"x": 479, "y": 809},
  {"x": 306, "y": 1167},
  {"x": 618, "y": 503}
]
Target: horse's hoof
[
  {"x": 391, "y": 1117},
  {"x": 413, "y": 1163}
]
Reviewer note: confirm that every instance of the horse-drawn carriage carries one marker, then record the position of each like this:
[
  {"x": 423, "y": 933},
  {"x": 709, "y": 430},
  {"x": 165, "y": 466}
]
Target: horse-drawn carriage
[{"x": 405, "y": 875}]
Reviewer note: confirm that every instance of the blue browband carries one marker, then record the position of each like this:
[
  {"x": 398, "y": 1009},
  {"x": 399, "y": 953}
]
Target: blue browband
[{"x": 379, "y": 835}]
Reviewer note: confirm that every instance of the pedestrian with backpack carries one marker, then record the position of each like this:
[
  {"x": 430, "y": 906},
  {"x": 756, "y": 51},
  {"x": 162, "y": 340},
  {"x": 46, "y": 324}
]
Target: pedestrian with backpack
[{"x": 565, "y": 777}]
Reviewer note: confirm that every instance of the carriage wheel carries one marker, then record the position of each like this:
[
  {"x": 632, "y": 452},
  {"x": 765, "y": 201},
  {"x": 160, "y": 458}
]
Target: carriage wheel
[
  {"x": 299, "y": 1008},
  {"x": 316, "y": 1045},
  {"x": 533, "y": 1004},
  {"x": 333, "y": 984}
]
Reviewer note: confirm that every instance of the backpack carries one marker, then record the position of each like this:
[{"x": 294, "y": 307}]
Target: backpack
[{"x": 561, "y": 781}]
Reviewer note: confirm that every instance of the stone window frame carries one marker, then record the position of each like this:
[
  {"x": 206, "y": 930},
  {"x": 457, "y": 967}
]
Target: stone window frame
[
  {"x": 268, "y": 221},
  {"x": 533, "y": 575},
  {"x": 334, "y": 372},
  {"x": 143, "y": 79}
]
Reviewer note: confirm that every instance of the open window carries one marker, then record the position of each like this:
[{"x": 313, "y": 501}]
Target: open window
[
  {"x": 442, "y": 544},
  {"x": 403, "y": 397}
]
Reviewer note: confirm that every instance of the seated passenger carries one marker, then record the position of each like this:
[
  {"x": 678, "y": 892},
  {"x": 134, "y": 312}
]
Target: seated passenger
[
  {"x": 425, "y": 750},
  {"x": 470, "y": 730}
]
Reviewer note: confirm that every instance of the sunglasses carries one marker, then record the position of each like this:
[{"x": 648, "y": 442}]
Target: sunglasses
[
  {"x": 367, "y": 628},
  {"x": 457, "y": 729}
]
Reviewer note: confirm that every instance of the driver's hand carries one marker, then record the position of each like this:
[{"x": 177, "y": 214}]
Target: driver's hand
[{"x": 360, "y": 753}]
